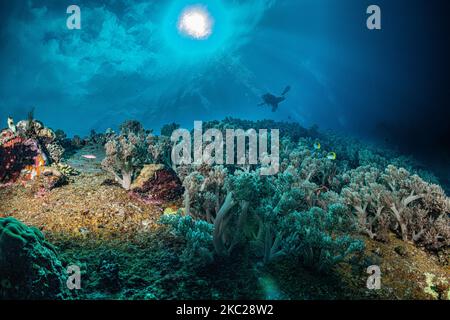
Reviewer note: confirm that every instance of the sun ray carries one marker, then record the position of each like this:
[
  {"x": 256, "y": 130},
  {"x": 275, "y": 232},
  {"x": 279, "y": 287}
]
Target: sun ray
[{"x": 196, "y": 22}]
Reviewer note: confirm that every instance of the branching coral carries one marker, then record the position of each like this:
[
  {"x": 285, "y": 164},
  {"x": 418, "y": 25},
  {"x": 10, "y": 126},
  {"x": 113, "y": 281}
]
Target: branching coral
[
  {"x": 224, "y": 200},
  {"x": 247, "y": 206},
  {"x": 243, "y": 191},
  {"x": 305, "y": 209},
  {"x": 414, "y": 209},
  {"x": 125, "y": 154},
  {"x": 319, "y": 238},
  {"x": 204, "y": 191},
  {"x": 268, "y": 242},
  {"x": 198, "y": 236},
  {"x": 366, "y": 196},
  {"x": 160, "y": 149},
  {"x": 419, "y": 208}
]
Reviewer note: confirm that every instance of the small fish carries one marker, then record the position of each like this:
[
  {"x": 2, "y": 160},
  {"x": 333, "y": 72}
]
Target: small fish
[
  {"x": 11, "y": 125},
  {"x": 332, "y": 156},
  {"x": 317, "y": 146},
  {"x": 89, "y": 156},
  {"x": 170, "y": 210}
]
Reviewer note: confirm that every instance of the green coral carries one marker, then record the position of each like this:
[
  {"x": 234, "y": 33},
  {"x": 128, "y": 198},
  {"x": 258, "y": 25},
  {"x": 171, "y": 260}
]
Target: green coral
[
  {"x": 198, "y": 237},
  {"x": 29, "y": 266},
  {"x": 319, "y": 238}
]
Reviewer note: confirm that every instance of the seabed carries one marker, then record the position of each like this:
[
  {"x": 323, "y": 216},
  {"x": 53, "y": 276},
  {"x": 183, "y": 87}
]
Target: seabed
[{"x": 141, "y": 243}]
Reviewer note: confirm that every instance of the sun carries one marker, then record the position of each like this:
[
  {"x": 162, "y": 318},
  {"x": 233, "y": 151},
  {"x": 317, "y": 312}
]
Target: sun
[
  {"x": 196, "y": 22},
  {"x": 194, "y": 29}
]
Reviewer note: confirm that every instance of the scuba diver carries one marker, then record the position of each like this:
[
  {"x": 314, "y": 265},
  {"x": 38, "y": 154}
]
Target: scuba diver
[{"x": 273, "y": 101}]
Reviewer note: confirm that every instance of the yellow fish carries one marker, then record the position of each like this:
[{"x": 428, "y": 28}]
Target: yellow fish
[
  {"x": 317, "y": 146},
  {"x": 170, "y": 210},
  {"x": 331, "y": 156}
]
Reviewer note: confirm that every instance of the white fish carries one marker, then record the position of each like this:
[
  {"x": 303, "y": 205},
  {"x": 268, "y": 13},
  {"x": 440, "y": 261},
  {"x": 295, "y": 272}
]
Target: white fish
[
  {"x": 11, "y": 125},
  {"x": 89, "y": 156}
]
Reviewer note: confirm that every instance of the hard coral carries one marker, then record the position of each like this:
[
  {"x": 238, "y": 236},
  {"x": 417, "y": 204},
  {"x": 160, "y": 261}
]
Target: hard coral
[{"x": 29, "y": 266}]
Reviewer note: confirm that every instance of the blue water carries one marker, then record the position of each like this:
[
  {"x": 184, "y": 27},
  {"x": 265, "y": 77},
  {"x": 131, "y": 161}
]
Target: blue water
[{"x": 129, "y": 61}]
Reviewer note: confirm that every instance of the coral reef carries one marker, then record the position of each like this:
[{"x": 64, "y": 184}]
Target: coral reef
[
  {"x": 157, "y": 184},
  {"x": 15, "y": 155},
  {"x": 246, "y": 209},
  {"x": 160, "y": 149},
  {"x": 65, "y": 169},
  {"x": 197, "y": 234},
  {"x": 45, "y": 137},
  {"x": 29, "y": 266},
  {"x": 164, "y": 232},
  {"x": 287, "y": 129},
  {"x": 126, "y": 153},
  {"x": 204, "y": 191},
  {"x": 320, "y": 238},
  {"x": 263, "y": 211},
  {"x": 168, "y": 129},
  {"x": 55, "y": 152},
  {"x": 396, "y": 200},
  {"x": 29, "y": 146}
]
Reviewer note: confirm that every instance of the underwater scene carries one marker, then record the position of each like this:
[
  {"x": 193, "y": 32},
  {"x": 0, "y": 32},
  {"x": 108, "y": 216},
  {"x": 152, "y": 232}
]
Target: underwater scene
[{"x": 224, "y": 150}]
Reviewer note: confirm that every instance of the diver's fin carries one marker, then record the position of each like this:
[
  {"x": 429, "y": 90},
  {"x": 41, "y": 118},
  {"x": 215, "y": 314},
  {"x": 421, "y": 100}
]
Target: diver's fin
[
  {"x": 286, "y": 90},
  {"x": 274, "y": 107}
]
